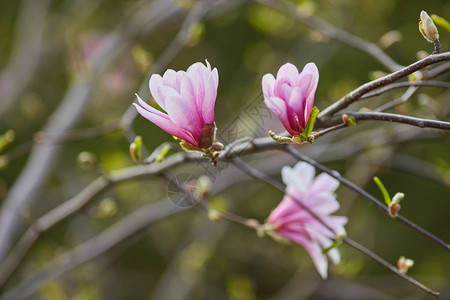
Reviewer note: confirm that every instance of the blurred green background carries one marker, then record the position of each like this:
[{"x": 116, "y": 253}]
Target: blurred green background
[{"x": 186, "y": 256}]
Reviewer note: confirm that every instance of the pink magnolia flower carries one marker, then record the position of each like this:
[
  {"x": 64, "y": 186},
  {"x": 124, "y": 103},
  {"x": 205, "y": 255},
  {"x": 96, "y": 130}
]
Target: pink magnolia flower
[
  {"x": 289, "y": 220},
  {"x": 290, "y": 96},
  {"x": 188, "y": 99}
]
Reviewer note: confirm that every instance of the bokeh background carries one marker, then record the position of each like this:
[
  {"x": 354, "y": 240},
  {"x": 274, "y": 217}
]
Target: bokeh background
[{"x": 53, "y": 50}]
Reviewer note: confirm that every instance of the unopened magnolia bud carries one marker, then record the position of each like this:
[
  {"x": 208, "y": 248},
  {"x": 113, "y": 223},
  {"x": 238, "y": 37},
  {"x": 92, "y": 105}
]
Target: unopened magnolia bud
[
  {"x": 427, "y": 27},
  {"x": 87, "y": 160},
  {"x": 217, "y": 146},
  {"x": 404, "y": 264},
  {"x": 348, "y": 120},
  {"x": 393, "y": 209},
  {"x": 135, "y": 149}
]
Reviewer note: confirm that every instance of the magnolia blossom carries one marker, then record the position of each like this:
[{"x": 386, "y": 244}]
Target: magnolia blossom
[
  {"x": 290, "y": 96},
  {"x": 188, "y": 98},
  {"x": 289, "y": 220}
]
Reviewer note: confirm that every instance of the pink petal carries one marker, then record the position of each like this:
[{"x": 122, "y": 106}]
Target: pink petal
[
  {"x": 311, "y": 72},
  {"x": 280, "y": 88},
  {"x": 162, "y": 121},
  {"x": 278, "y": 107},
  {"x": 268, "y": 85},
  {"x": 172, "y": 79},
  {"x": 183, "y": 115},
  {"x": 288, "y": 71},
  {"x": 314, "y": 250},
  {"x": 155, "y": 82},
  {"x": 187, "y": 92},
  {"x": 148, "y": 107},
  {"x": 300, "y": 176},
  {"x": 210, "y": 97},
  {"x": 297, "y": 102},
  {"x": 286, "y": 207},
  {"x": 322, "y": 203},
  {"x": 324, "y": 183},
  {"x": 198, "y": 76}
]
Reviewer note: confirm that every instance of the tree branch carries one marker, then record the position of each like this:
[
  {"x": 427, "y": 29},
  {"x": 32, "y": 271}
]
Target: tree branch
[
  {"x": 380, "y": 116},
  {"x": 397, "y": 85},
  {"x": 356, "y": 94}
]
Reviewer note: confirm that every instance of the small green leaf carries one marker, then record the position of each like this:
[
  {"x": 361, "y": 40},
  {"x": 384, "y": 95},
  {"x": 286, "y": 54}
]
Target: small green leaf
[
  {"x": 311, "y": 121},
  {"x": 162, "y": 153},
  {"x": 383, "y": 190},
  {"x": 441, "y": 22},
  {"x": 138, "y": 143}
]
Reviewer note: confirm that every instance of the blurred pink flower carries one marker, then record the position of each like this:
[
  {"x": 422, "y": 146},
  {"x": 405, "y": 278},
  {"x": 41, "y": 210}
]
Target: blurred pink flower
[
  {"x": 188, "y": 99},
  {"x": 291, "y": 95},
  {"x": 289, "y": 220}
]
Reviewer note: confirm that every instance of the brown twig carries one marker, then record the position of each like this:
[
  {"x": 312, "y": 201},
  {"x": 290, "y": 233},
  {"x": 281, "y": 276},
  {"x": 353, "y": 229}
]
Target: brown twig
[{"x": 356, "y": 94}]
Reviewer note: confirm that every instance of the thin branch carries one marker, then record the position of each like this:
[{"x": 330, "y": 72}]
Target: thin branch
[
  {"x": 380, "y": 116},
  {"x": 397, "y": 85},
  {"x": 366, "y": 195},
  {"x": 333, "y": 32},
  {"x": 405, "y": 97},
  {"x": 356, "y": 94},
  {"x": 328, "y": 130},
  {"x": 261, "y": 176},
  {"x": 441, "y": 69},
  {"x": 383, "y": 262}
]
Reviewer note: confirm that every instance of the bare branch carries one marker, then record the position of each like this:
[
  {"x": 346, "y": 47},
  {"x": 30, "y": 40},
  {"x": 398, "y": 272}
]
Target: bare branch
[
  {"x": 356, "y": 94},
  {"x": 406, "y": 84},
  {"x": 383, "y": 262},
  {"x": 380, "y": 116},
  {"x": 405, "y": 97}
]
